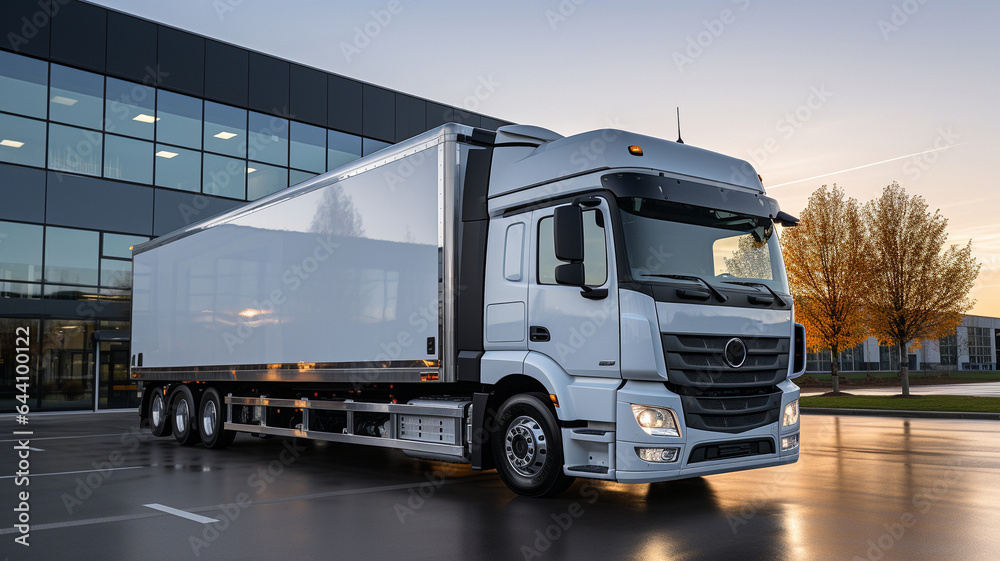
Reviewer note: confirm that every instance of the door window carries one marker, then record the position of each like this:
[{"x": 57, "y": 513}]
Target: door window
[{"x": 595, "y": 251}]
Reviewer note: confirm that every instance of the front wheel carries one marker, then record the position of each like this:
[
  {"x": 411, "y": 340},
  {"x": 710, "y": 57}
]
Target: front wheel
[{"x": 527, "y": 446}]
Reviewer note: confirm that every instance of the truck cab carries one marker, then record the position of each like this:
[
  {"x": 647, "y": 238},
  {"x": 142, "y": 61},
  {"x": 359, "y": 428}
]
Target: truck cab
[{"x": 641, "y": 282}]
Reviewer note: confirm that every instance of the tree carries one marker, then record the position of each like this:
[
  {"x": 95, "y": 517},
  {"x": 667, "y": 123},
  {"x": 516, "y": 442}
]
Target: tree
[
  {"x": 750, "y": 259},
  {"x": 916, "y": 288},
  {"x": 823, "y": 263}
]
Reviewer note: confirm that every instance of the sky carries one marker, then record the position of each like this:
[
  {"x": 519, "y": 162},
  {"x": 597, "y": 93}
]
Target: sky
[{"x": 857, "y": 93}]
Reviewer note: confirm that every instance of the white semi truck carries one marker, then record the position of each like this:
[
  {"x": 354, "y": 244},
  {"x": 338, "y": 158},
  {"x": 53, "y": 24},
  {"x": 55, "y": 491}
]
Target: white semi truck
[{"x": 608, "y": 306}]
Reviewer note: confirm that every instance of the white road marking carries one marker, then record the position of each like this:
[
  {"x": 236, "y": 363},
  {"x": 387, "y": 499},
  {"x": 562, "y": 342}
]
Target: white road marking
[
  {"x": 73, "y": 472},
  {"x": 66, "y": 437},
  {"x": 33, "y": 449},
  {"x": 197, "y": 518}
]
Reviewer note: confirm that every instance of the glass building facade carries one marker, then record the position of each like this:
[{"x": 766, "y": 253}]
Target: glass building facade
[{"x": 115, "y": 130}]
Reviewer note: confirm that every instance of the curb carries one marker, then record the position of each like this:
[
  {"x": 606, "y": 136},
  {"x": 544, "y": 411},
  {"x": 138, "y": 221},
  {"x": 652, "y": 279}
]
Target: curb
[{"x": 900, "y": 413}]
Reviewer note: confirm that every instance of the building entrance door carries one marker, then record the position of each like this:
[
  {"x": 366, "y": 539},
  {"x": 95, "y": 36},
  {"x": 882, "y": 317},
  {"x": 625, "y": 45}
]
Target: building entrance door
[{"x": 115, "y": 390}]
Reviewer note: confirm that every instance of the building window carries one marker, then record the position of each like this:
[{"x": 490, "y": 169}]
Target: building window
[
  {"x": 341, "y": 149},
  {"x": 225, "y": 130},
  {"x": 71, "y": 256},
  {"x": 178, "y": 168},
  {"x": 23, "y": 85},
  {"x": 130, "y": 109},
  {"x": 295, "y": 176},
  {"x": 128, "y": 159},
  {"x": 224, "y": 177},
  {"x": 262, "y": 180},
  {"x": 120, "y": 246},
  {"x": 22, "y": 141},
  {"x": 980, "y": 350},
  {"x": 595, "y": 253},
  {"x": 20, "y": 252},
  {"x": 949, "y": 350},
  {"x": 268, "y": 139},
  {"x": 178, "y": 119},
  {"x": 308, "y": 147},
  {"x": 370, "y": 146},
  {"x": 76, "y": 97},
  {"x": 75, "y": 150}
]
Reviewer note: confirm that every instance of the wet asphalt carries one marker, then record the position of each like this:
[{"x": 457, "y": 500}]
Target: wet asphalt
[{"x": 864, "y": 488}]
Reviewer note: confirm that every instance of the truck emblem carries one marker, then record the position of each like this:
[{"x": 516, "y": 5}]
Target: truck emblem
[{"x": 735, "y": 352}]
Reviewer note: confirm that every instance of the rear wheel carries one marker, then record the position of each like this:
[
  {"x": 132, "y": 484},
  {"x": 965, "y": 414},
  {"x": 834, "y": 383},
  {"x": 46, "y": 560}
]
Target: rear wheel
[
  {"x": 159, "y": 418},
  {"x": 210, "y": 421},
  {"x": 183, "y": 408},
  {"x": 527, "y": 447}
]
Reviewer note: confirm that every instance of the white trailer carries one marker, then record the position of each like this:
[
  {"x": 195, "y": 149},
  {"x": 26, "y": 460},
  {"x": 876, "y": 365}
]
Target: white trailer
[{"x": 608, "y": 306}]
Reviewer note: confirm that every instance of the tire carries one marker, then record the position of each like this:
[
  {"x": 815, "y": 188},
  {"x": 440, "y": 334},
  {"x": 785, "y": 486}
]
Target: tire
[
  {"x": 183, "y": 408},
  {"x": 527, "y": 447},
  {"x": 159, "y": 416},
  {"x": 211, "y": 417}
]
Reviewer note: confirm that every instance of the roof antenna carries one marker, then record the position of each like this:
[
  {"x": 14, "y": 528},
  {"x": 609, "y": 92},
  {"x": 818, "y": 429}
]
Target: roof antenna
[{"x": 679, "y": 139}]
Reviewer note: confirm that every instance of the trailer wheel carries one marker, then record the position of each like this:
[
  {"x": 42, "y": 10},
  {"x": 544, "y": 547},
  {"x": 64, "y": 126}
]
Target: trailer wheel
[
  {"x": 159, "y": 417},
  {"x": 527, "y": 446},
  {"x": 211, "y": 418},
  {"x": 183, "y": 408}
]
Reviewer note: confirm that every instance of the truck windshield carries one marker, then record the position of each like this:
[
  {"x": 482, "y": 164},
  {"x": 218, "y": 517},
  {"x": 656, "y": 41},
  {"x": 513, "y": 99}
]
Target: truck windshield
[{"x": 664, "y": 238}]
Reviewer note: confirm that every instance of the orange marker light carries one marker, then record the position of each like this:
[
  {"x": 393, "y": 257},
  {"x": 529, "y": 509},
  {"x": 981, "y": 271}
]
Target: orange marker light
[
  {"x": 555, "y": 400},
  {"x": 635, "y": 150}
]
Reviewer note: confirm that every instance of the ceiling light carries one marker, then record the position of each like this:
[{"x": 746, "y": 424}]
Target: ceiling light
[
  {"x": 225, "y": 135},
  {"x": 166, "y": 154},
  {"x": 251, "y": 170},
  {"x": 64, "y": 100},
  {"x": 11, "y": 143},
  {"x": 144, "y": 118}
]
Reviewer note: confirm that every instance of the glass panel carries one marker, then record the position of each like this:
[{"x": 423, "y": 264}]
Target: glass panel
[
  {"x": 268, "y": 139},
  {"x": 262, "y": 180},
  {"x": 23, "y": 85},
  {"x": 178, "y": 168},
  {"x": 71, "y": 256},
  {"x": 295, "y": 176},
  {"x": 341, "y": 148},
  {"x": 370, "y": 146},
  {"x": 116, "y": 274},
  {"x": 22, "y": 141},
  {"x": 20, "y": 252},
  {"x": 129, "y": 109},
  {"x": 128, "y": 159},
  {"x": 225, "y": 129},
  {"x": 595, "y": 251},
  {"x": 308, "y": 150},
  {"x": 73, "y": 149},
  {"x": 225, "y": 177},
  {"x": 19, "y": 290},
  {"x": 67, "y": 371},
  {"x": 76, "y": 97},
  {"x": 118, "y": 245},
  {"x": 9, "y": 332},
  {"x": 178, "y": 119}
]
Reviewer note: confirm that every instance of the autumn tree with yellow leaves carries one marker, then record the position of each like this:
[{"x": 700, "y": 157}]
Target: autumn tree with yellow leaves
[
  {"x": 916, "y": 288},
  {"x": 823, "y": 260}
]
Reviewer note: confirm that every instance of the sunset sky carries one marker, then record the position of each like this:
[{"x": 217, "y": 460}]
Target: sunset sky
[{"x": 858, "y": 93}]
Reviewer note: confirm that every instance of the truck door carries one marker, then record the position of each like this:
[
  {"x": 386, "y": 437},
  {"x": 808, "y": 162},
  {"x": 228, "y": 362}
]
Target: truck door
[{"x": 580, "y": 334}]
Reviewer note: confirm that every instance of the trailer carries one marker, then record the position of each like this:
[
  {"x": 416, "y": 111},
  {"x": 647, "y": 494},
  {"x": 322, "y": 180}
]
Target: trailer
[{"x": 608, "y": 306}]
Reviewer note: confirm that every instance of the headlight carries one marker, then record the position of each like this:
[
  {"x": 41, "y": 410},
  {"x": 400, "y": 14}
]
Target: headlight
[
  {"x": 656, "y": 421},
  {"x": 791, "y": 414}
]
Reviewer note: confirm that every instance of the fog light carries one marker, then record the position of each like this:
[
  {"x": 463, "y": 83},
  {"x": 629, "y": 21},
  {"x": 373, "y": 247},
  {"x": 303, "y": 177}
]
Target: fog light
[
  {"x": 790, "y": 442},
  {"x": 656, "y": 421},
  {"x": 791, "y": 414},
  {"x": 658, "y": 455}
]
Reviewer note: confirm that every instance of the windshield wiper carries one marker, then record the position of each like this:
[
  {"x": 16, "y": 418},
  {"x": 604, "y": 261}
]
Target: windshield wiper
[
  {"x": 720, "y": 296},
  {"x": 769, "y": 289}
]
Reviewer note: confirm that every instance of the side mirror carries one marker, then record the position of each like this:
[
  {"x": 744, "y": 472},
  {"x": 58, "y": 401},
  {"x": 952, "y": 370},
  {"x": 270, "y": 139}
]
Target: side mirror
[
  {"x": 567, "y": 229},
  {"x": 572, "y": 274}
]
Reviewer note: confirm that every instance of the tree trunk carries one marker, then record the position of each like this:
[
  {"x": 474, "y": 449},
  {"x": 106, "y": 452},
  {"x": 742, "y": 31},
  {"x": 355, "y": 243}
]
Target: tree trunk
[
  {"x": 834, "y": 364},
  {"x": 904, "y": 369}
]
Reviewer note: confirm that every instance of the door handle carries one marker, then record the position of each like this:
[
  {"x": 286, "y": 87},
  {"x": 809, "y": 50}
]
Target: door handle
[{"x": 538, "y": 334}]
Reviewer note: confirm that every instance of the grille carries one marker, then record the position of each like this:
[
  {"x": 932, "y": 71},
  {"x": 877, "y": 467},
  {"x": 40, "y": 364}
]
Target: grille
[{"x": 717, "y": 397}]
